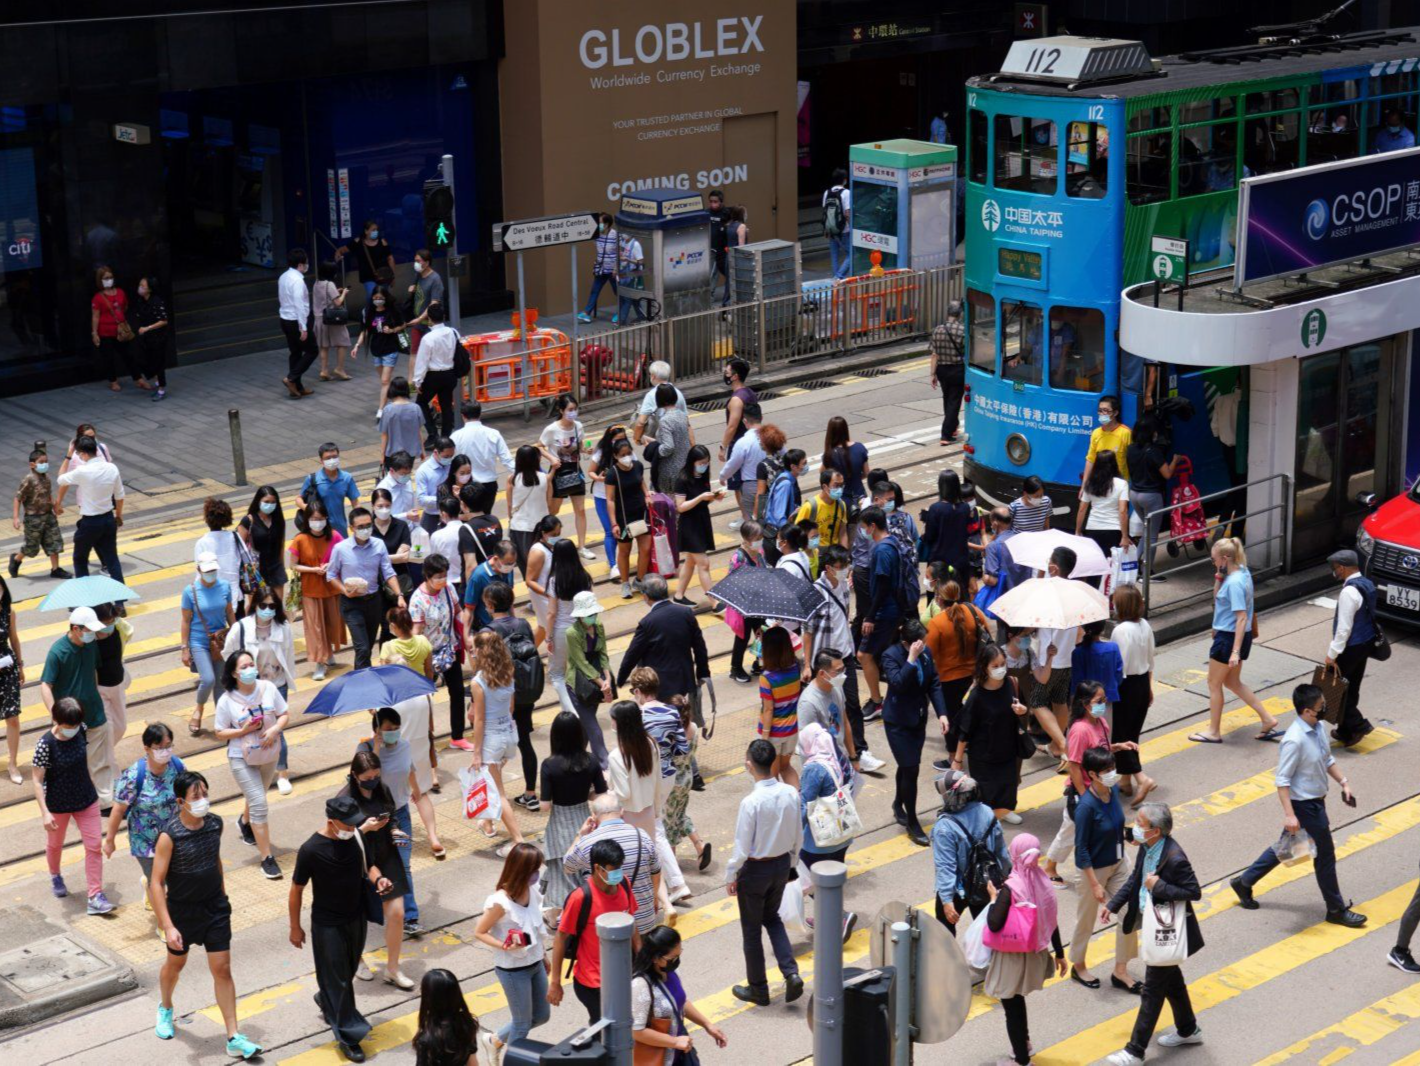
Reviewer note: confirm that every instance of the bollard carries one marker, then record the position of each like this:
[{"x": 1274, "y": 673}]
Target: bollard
[
  {"x": 902, "y": 934},
  {"x": 614, "y": 932},
  {"x": 239, "y": 455},
  {"x": 829, "y": 878}
]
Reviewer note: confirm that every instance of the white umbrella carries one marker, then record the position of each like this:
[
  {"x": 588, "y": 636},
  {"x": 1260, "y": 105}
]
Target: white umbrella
[
  {"x": 1051, "y": 603},
  {"x": 1033, "y": 550}
]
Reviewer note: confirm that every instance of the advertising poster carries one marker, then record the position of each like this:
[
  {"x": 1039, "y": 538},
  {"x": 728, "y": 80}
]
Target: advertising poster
[
  {"x": 344, "y": 184},
  {"x": 330, "y": 195}
]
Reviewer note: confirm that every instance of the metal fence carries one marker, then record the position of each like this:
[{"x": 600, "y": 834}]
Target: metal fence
[{"x": 825, "y": 320}]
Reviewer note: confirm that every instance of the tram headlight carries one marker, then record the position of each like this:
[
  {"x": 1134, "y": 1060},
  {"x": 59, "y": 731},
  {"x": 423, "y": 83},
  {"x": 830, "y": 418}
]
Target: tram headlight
[{"x": 1018, "y": 449}]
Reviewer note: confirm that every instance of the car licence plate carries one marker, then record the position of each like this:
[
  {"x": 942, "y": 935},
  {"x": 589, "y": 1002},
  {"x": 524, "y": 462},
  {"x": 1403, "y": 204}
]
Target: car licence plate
[{"x": 1400, "y": 596}]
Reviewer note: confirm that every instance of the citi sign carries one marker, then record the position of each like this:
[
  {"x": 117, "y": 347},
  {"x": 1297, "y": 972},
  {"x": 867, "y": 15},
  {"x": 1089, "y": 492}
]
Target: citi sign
[
  {"x": 671, "y": 43},
  {"x": 1356, "y": 211}
]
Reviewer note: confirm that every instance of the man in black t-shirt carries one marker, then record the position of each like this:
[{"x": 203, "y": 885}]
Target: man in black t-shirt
[
  {"x": 333, "y": 862},
  {"x": 719, "y": 239}
]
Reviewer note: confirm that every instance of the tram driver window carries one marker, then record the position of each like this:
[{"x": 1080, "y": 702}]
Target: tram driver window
[
  {"x": 1087, "y": 160},
  {"x": 981, "y": 330},
  {"x": 1022, "y": 342},
  {"x": 1026, "y": 150},
  {"x": 1077, "y": 349}
]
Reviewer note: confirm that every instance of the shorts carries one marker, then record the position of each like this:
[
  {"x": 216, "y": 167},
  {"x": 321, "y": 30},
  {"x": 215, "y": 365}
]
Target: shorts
[
  {"x": 501, "y": 744},
  {"x": 881, "y": 638},
  {"x": 1222, "y": 648},
  {"x": 42, "y": 534},
  {"x": 579, "y": 488},
  {"x": 1056, "y": 689},
  {"x": 208, "y": 924},
  {"x": 784, "y": 747}
]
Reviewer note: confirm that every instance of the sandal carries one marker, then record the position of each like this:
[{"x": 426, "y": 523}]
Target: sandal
[
  {"x": 323, "y": 376},
  {"x": 487, "y": 828},
  {"x": 340, "y": 375},
  {"x": 1272, "y": 734},
  {"x": 1143, "y": 793},
  {"x": 194, "y": 726},
  {"x": 1204, "y": 738},
  {"x": 440, "y": 854},
  {"x": 114, "y": 386}
]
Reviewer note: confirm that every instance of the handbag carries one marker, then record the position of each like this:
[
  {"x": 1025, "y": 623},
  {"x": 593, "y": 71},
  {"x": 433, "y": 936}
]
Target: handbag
[
  {"x": 1017, "y": 935},
  {"x": 1379, "y": 648},
  {"x": 1333, "y": 687},
  {"x": 335, "y": 315},
  {"x": 123, "y": 332},
  {"x": 1163, "y": 940},
  {"x": 587, "y": 691},
  {"x": 215, "y": 641},
  {"x": 293, "y": 593},
  {"x": 567, "y": 478},
  {"x": 833, "y": 820}
]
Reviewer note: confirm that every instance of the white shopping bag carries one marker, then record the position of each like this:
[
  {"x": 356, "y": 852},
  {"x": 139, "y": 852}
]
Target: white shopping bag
[
  {"x": 791, "y": 905},
  {"x": 973, "y": 946},
  {"x": 1123, "y": 568},
  {"x": 480, "y": 794},
  {"x": 665, "y": 558},
  {"x": 1163, "y": 940}
]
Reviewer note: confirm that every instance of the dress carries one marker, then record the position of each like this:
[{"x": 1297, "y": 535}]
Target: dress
[
  {"x": 696, "y": 530},
  {"x": 323, "y": 295},
  {"x": 567, "y": 790},
  {"x": 10, "y": 675},
  {"x": 989, "y": 727}
]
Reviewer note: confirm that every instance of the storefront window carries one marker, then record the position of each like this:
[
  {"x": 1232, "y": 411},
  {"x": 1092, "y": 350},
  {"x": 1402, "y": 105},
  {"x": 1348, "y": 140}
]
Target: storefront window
[
  {"x": 1077, "y": 349},
  {"x": 1022, "y": 342},
  {"x": 981, "y": 330},
  {"x": 1026, "y": 150},
  {"x": 31, "y": 206},
  {"x": 1087, "y": 160},
  {"x": 1147, "y": 168},
  {"x": 979, "y": 150}
]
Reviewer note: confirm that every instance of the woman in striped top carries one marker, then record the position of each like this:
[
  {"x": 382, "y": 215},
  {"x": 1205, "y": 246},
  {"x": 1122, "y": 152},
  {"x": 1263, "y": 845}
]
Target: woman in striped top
[
  {"x": 1031, "y": 512},
  {"x": 779, "y": 688}
]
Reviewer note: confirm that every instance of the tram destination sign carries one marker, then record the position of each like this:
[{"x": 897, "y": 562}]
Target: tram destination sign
[{"x": 1301, "y": 220}]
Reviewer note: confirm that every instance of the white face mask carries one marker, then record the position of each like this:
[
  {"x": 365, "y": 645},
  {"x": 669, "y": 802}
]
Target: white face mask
[
  {"x": 464, "y": 479},
  {"x": 108, "y": 283},
  {"x": 625, "y": 462},
  {"x": 332, "y": 463},
  {"x": 1109, "y": 778},
  {"x": 345, "y": 834},
  {"x": 838, "y": 682},
  {"x": 162, "y": 756},
  {"x": 198, "y": 808},
  {"x": 317, "y": 525},
  {"x": 418, "y": 267},
  {"x": 998, "y": 673},
  {"x": 382, "y": 513},
  {"x": 362, "y": 535}
]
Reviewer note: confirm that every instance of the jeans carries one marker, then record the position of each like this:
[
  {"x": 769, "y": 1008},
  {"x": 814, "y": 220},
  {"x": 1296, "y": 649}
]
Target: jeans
[
  {"x": 91, "y": 831},
  {"x": 300, "y": 354},
  {"x": 1311, "y": 813},
  {"x": 760, "y": 890},
  {"x": 206, "y": 668},
  {"x": 599, "y": 282},
  {"x": 633, "y": 302},
  {"x": 438, "y": 384},
  {"x": 361, "y": 615},
  {"x": 608, "y": 541},
  {"x": 337, "y": 951},
  {"x": 952, "y": 379},
  {"x": 405, "y": 845},
  {"x": 525, "y": 989},
  {"x": 840, "y": 253},
  {"x": 97, "y": 533},
  {"x": 592, "y": 727},
  {"x": 1161, "y": 984},
  {"x": 1152, "y": 504}
]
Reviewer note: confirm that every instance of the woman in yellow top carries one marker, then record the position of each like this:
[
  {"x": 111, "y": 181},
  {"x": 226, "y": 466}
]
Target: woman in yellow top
[
  {"x": 1110, "y": 435},
  {"x": 416, "y": 716}
]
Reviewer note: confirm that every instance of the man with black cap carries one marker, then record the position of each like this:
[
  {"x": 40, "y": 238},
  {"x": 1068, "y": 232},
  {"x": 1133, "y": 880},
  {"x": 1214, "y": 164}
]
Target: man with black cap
[
  {"x": 1352, "y": 632},
  {"x": 964, "y": 822},
  {"x": 948, "y": 347},
  {"x": 333, "y": 860}
]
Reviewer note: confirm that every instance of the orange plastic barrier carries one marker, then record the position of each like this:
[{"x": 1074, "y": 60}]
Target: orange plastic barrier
[
  {"x": 866, "y": 302},
  {"x": 497, "y": 360}
]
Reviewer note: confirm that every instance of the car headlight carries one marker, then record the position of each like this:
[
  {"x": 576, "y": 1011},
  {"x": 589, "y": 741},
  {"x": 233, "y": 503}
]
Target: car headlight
[
  {"x": 1017, "y": 449},
  {"x": 1365, "y": 543}
]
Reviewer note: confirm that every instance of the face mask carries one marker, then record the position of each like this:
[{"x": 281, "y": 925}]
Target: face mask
[
  {"x": 1393, "y": 129},
  {"x": 68, "y": 732},
  {"x": 401, "y": 479},
  {"x": 464, "y": 479},
  {"x": 838, "y": 682},
  {"x": 1097, "y": 710},
  {"x": 370, "y": 784},
  {"x": 615, "y": 877},
  {"x": 1023, "y": 643},
  {"x": 603, "y": 227},
  {"x": 317, "y": 525},
  {"x": 570, "y": 414},
  {"x": 889, "y": 506},
  {"x": 374, "y": 235},
  {"x": 108, "y": 283},
  {"x": 418, "y": 267},
  {"x": 1139, "y": 834},
  {"x": 198, "y": 808},
  {"x": 362, "y": 535},
  {"x": 108, "y": 630},
  {"x": 208, "y": 579},
  {"x": 835, "y": 494},
  {"x": 330, "y": 464},
  {"x": 87, "y": 637},
  {"x": 672, "y": 965},
  {"x": 700, "y": 468},
  {"x": 625, "y": 462},
  {"x": 379, "y": 305},
  {"x": 1109, "y": 779},
  {"x": 162, "y": 756},
  {"x": 1106, "y": 419},
  {"x": 443, "y": 460},
  {"x": 553, "y": 540},
  {"x": 998, "y": 673},
  {"x": 382, "y": 513},
  {"x": 265, "y": 614},
  {"x": 41, "y": 468},
  {"x": 247, "y": 675},
  {"x": 345, "y": 834},
  {"x": 813, "y": 542},
  {"x": 390, "y": 736},
  {"x": 534, "y": 880}
]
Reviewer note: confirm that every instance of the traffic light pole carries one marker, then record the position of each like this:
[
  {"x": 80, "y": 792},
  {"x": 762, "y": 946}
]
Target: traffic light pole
[
  {"x": 828, "y": 878},
  {"x": 614, "y": 934},
  {"x": 523, "y": 326},
  {"x": 447, "y": 167}
]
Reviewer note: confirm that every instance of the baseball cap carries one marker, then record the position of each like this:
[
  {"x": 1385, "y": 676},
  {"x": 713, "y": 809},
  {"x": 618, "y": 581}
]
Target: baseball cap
[
  {"x": 345, "y": 810},
  {"x": 207, "y": 563},
  {"x": 85, "y": 616}
]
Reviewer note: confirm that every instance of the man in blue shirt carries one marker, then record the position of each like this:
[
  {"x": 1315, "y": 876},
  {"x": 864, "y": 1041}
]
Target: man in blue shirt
[
  {"x": 499, "y": 568},
  {"x": 999, "y": 568},
  {"x": 358, "y": 566},
  {"x": 1393, "y": 136},
  {"x": 782, "y": 502},
  {"x": 333, "y": 485},
  {"x": 964, "y": 818},
  {"x": 884, "y": 613},
  {"x": 1303, "y": 765},
  {"x": 432, "y": 473}
]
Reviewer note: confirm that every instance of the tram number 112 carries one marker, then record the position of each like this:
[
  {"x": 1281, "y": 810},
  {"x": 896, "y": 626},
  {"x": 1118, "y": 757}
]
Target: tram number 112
[{"x": 1042, "y": 61}]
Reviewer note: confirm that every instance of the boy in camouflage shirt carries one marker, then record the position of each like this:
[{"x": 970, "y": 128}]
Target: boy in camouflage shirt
[{"x": 41, "y": 525}]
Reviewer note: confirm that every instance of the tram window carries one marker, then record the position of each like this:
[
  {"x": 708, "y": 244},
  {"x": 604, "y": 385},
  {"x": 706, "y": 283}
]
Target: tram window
[
  {"x": 1026, "y": 149},
  {"x": 1077, "y": 349},
  {"x": 1087, "y": 160},
  {"x": 1272, "y": 143},
  {"x": 981, "y": 330},
  {"x": 1207, "y": 110},
  {"x": 1151, "y": 118},
  {"x": 1388, "y": 126},
  {"x": 1022, "y": 342},
  {"x": 1332, "y": 134},
  {"x": 979, "y": 151},
  {"x": 1147, "y": 168},
  {"x": 1271, "y": 100},
  {"x": 1207, "y": 159},
  {"x": 1394, "y": 85}
]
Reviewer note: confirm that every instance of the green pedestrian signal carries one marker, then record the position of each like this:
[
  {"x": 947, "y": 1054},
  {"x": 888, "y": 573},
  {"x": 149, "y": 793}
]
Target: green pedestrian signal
[
  {"x": 438, "y": 215},
  {"x": 442, "y": 235}
]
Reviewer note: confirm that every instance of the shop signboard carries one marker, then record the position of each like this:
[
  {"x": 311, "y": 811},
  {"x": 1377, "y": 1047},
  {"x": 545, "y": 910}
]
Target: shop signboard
[{"x": 1301, "y": 220}]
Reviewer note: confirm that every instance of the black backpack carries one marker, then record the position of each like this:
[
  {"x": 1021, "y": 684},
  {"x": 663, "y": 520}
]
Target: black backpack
[
  {"x": 584, "y": 915},
  {"x": 529, "y": 676},
  {"x": 835, "y": 219},
  {"x": 982, "y": 867}
]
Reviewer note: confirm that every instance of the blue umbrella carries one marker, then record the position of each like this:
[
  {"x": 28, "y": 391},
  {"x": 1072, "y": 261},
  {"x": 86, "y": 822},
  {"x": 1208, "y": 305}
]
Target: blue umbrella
[
  {"x": 364, "y": 690},
  {"x": 87, "y": 592}
]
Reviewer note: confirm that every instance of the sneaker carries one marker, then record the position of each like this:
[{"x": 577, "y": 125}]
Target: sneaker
[
  {"x": 626, "y": 592},
  {"x": 684, "y": 601},
  {"x": 14, "y": 566},
  {"x": 849, "y": 921},
  {"x": 742, "y": 677},
  {"x": 283, "y": 786},
  {"x": 379, "y": 414},
  {"x": 1124, "y": 1058},
  {"x": 487, "y": 1041},
  {"x": 270, "y": 870},
  {"x": 636, "y": 586},
  {"x": 505, "y": 849},
  {"x": 319, "y": 675},
  {"x": 239, "y": 1047},
  {"x": 528, "y": 802},
  {"x": 582, "y": 316},
  {"x": 99, "y": 904},
  {"x": 163, "y": 1028},
  {"x": 734, "y": 525},
  {"x": 942, "y": 765},
  {"x": 364, "y": 973},
  {"x": 461, "y": 744},
  {"x": 1011, "y": 818},
  {"x": 868, "y": 762},
  {"x": 412, "y": 929},
  {"x": 614, "y": 574},
  {"x": 162, "y": 394},
  {"x": 62, "y": 574},
  {"x": 587, "y": 553},
  {"x": 1401, "y": 959},
  {"x": 58, "y": 887},
  {"x": 1171, "y": 1037},
  {"x": 248, "y": 837},
  {"x": 872, "y": 710}
]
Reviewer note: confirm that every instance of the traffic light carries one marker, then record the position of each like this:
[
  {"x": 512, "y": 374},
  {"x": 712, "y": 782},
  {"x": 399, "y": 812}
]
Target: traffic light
[{"x": 438, "y": 216}]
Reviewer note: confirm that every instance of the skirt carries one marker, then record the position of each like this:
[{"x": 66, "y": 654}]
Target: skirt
[
  {"x": 996, "y": 783},
  {"x": 9, "y": 688},
  {"x": 331, "y": 336},
  {"x": 324, "y": 627},
  {"x": 1016, "y": 973},
  {"x": 562, "y": 827}
]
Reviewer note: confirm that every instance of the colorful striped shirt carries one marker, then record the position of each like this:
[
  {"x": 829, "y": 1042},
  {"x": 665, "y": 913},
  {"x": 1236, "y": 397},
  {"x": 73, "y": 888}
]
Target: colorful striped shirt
[{"x": 782, "y": 686}]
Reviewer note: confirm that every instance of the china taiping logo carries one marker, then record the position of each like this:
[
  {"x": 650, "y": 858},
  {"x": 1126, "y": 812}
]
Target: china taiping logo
[
  {"x": 1316, "y": 223},
  {"x": 991, "y": 215}
]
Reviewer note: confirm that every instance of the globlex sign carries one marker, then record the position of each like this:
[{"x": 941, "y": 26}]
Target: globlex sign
[{"x": 671, "y": 42}]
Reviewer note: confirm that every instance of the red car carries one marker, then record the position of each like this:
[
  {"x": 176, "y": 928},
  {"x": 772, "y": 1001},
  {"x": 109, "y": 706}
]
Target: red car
[{"x": 1389, "y": 545}]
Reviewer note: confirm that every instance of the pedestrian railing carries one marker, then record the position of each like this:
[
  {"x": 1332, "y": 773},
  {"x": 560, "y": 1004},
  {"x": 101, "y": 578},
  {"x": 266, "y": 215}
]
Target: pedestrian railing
[{"x": 1268, "y": 553}]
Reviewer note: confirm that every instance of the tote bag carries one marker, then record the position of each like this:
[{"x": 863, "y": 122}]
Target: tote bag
[
  {"x": 833, "y": 820},
  {"x": 1017, "y": 935},
  {"x": 1163, "y": 940}
]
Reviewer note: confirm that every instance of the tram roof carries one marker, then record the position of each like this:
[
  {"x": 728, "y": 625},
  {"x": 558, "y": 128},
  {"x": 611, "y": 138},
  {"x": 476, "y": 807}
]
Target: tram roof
[{"x": 1205, "y": 68}]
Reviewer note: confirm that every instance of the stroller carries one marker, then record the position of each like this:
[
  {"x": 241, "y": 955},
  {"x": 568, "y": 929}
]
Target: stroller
[{"x": 1187, "y": 523}]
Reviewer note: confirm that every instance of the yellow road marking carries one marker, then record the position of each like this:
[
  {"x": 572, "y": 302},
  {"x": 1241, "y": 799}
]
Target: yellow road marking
[{"x": 1357, "y": 1030}]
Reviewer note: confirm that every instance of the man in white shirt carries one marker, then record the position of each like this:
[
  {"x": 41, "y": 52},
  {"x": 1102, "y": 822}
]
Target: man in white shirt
[
  {"x": 768, "y": 835},
  {"x": 840, "y": 246},
  {"x": 1051, "y": 652},
  {"x": 99, "y": 488},
  {"x": 485, "y": 448},
  {"x": 294, "y": 307},
  {"x": 744, "y": 458},
  {"x": 433, "y": 373},
  {"x": 660, "y": 374},
  {"x": 445, "y": 541},
  {"x": 1352, "y": 632},
  {"x": 398, "y": 482}
]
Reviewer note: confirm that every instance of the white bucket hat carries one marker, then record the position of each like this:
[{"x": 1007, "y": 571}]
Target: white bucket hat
[{"x": 585, "y": 605}]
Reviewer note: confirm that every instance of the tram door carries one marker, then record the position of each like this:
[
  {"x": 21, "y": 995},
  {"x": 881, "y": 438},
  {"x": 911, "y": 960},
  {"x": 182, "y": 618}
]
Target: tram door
[{"x": 1347, "y": 430}]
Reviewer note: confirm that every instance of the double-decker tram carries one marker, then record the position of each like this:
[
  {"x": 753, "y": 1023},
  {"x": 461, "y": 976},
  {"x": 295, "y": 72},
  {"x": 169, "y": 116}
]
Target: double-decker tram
[{"x": 1079, "y": 153}]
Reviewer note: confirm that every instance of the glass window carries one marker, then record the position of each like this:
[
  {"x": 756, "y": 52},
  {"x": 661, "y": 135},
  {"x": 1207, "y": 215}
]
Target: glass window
[
  {"x": 1273, "y": 143},
  {"x": 1271, "y": 100},
  {"x": 1086, "y": 160},
  {"x": 1207, "y": 159},
  {"x": 1393, "y": 84},
  {"x": 1151, "y": 118},
  {"x": 1147, "y": 167},
  {"x": 978, "y": 151},
  {"x": 1077, "y": 349},
  {"x": 1332, "y": 134},
  {"x": 1026, "y": 150},
  {"x": 1022, "y": 342},
  {"x": 1388, "y": 126},
  {"x": 1206, "y": 110},
  {"x": 981, "y": 330}
]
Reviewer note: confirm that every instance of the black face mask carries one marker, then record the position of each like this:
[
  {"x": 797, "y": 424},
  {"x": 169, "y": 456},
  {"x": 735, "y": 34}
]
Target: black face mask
[
  {"x": 672, "y": 965},
  {"x": 729, "y": 381}
]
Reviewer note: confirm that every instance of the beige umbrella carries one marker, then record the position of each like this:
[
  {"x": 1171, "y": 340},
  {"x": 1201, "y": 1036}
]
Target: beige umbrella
[{"x": 1051, "y": 603}]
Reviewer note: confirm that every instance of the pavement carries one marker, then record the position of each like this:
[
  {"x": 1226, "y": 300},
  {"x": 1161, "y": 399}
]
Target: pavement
[{"x": 1275, "y": 985}]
